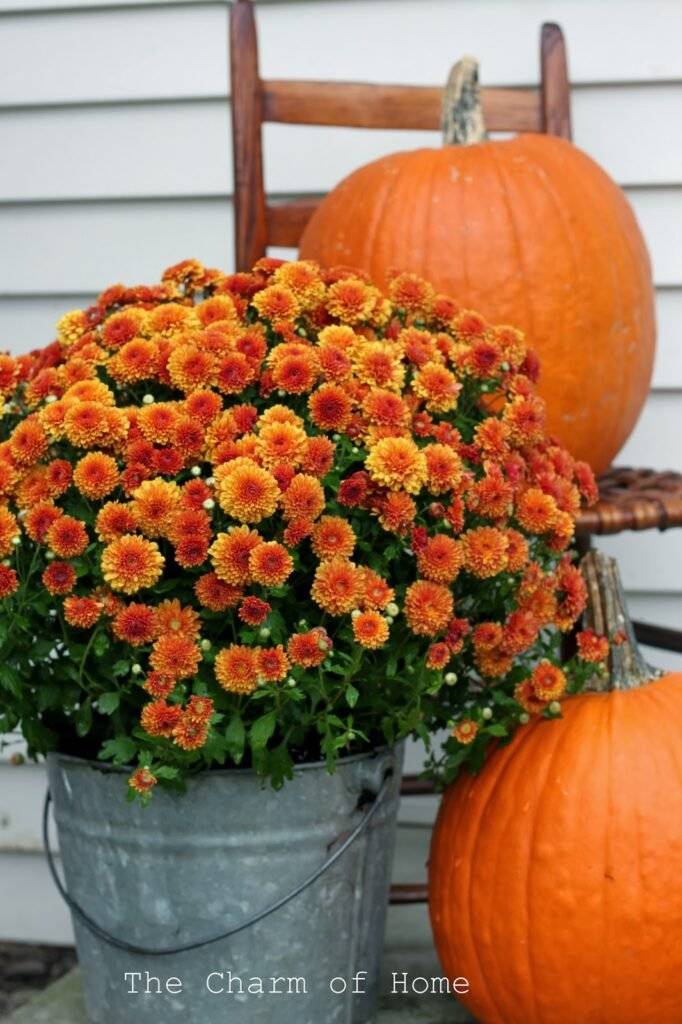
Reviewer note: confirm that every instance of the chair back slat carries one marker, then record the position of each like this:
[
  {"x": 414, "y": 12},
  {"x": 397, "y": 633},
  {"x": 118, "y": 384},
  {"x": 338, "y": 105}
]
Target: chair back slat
[
  {"x": 355, "y": 105},
  {"x": 408, "y": 107},
  {"x": 286, "y": 221}
]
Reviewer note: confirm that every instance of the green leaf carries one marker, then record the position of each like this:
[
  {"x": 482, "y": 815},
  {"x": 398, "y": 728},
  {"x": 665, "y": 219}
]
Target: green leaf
[
  {"x": 496, "y": 730},
  {"x": 120, "y": 668},
  {"x": 235, "y": 739},
  {"x": 101, "y": 644},
  {"x": 120, "y": 750},
  {"x": 107, "y": 703},
  {"x": 261, "y": 730},
  {"x": 165, "y": 771},
  {"x": 352, "y": 695}
]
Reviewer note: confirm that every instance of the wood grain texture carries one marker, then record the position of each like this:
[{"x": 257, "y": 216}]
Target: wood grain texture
[
  {"x": 369, "y": 105},
  {"x": 247, "y": 154},
  {"x": 555, "y": 93}
]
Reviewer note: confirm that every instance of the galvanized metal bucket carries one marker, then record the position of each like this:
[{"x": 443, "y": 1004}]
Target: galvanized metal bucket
[{"x": 189, "y": 867}]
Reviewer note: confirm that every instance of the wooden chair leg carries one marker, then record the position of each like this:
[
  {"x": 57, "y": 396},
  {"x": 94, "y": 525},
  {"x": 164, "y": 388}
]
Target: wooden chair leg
[
  {"x": 249, "y": 188},
  {"x": 555, "y": 90}
]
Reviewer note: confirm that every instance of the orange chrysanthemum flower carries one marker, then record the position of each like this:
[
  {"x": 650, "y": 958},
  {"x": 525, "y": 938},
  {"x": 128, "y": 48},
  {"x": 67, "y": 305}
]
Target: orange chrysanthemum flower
[
  {"x": 137, "y": 360},
  {"x": 281, "y": 443},
  {"x": 59, "y": 475},
  {"x": 549, "y": 681},
  {"x": 28, "y": 442},
  {"x": 96, "y": 475},
  {"x": 333, "y": 536},
  {"x": 376, "y": 594},
  {"x": 122, "y": 327},
  {"x": 190, "y": 733},
  {"x": 272, "y": 663},
  {"x": 131, "y": 563},
  {"x": 397, "y": 512},
  {"x": 520, "y": 631},
  {"x": 9, "y": 531},
  {"x": 87, "y": 424},
  {"x": 379, "y": 364},
  {"x": 67, "y": 537},
  {"x": 135, "y": 624},
  {"x": 428, "y": 607},
  {"x": 526, "y": 696},
  {"x": 176, "y": 655},
  {"x": 397, "y": 463},
  {"x": 157, "y": 422},
  {"x": 154, "y": 504},
  {"x": 411, "y": 293},
  {"x": 438, "y": 655},
  {"x": 536, "y": 511},
  {"x": 159, "y": 718},
  {"x": 296, "y": 374},
  {"x": 230, "y": 554},
  {"x": 318, "y": 456},
  {"x": 203, "y": 405},
  {"x": 303, "y": 498},
  {"x": 309, "y": 649},
  {"x": 438, "y": 386},
  {"x": 330, "y": 407},
  {"x": 485, "y": 551},
  {"x": 270, "y": 564},
  {"x": 465, "y": 731},
  {"x": 254, "y": 611},
  {"x": 113, "y": 520},
  {"x": 59, "y": 578},
  {"x": 338, "y": 586},
  {"x": 370, "y": 629},
  {"x": 276, "y": 303},
  {"x": 592, "y": 647},
  {"x": 9, "y": 581},
  {"x": 517, "y": 551},
  {"x": 351, "y": 300},
  {"x": 82, "y": 612},
  {"x": 385, "y": 408},
  {"x": 214, "y": 594},
  {"x": 173, "y": 617},
  {"x": 190, "y": 368},
  {"x": 158, "y": 685},
  {"x": 443, "y": 467},
  {"x": 247, "y": 492},
  {"x": 440, "y": 559},
  {"x": 234, "y": 373},
  {"x": 142, "y": 781},
  {"x": 236, "y": 669}
]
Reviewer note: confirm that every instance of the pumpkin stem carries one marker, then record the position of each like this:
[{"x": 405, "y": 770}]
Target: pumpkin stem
[
  {"x": 607, "y": 614},
  {"x": 462, "y": 119}
]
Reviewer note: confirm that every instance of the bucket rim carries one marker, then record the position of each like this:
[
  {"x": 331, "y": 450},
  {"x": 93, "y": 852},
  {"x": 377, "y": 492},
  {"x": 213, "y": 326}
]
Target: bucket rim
[{"x": 56, "y": 757}]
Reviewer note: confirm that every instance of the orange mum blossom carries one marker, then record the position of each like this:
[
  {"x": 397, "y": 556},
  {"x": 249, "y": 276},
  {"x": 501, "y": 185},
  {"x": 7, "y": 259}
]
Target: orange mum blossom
[{"x": 285, "y": 493}]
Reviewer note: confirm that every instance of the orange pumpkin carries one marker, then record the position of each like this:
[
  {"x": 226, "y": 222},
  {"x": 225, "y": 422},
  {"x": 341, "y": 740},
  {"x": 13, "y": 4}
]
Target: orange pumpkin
[
  {"x": 555, "y": 882},
  {"x": 530, "y": 231}
]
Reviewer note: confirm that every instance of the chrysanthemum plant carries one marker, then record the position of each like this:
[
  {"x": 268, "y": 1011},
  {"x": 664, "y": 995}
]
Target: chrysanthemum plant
[{"x": 266, "y": 518}]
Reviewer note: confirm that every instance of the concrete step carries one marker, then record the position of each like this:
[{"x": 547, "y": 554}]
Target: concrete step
[{"x": 62, "y": 1002}]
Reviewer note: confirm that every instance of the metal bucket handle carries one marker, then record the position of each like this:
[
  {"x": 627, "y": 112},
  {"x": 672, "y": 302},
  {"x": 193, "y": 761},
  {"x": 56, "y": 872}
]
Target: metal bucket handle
[{"x": 129, "y": 947}]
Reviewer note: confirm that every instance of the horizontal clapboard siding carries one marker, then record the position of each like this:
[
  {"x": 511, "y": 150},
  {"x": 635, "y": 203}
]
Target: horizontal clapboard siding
[{"x": 114, "y": 126}]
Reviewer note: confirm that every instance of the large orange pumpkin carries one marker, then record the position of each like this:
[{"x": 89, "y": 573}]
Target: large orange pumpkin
[
  {"x": 530, "y": 231},
  {"x": 555, "y": 881}
]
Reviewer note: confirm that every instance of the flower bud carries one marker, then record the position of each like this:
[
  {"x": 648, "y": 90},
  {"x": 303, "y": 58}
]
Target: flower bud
[
  {"x": 487, "y": 714},
  {"x": 49, "y": 399},
  {"x": 136, "y": 669},
  {"x": 392, "y": 609},
  {"x": 450, "y": 678},
  {"x": 206, "y": 645},
  {"x": 148, "y": 399},
  {"x": 195, "y": 470},
  {"x": 524, "y": 718},
  {"x": 554, "y": 707},
  {"x": 264, "y": 633},
  {"x": 209, "y": 504}
]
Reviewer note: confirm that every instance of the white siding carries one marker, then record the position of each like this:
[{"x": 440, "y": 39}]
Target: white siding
[{"x": 114, "y": 125}]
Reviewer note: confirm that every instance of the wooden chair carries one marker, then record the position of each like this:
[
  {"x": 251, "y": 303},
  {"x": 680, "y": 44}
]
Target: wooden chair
[
  {"x": 256, "y": 101},
  {"x": 630, "y": 499}
]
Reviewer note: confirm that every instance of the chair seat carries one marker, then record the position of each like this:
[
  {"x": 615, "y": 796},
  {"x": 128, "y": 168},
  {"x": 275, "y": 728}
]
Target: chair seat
[{"x": 634, "y": 499}]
